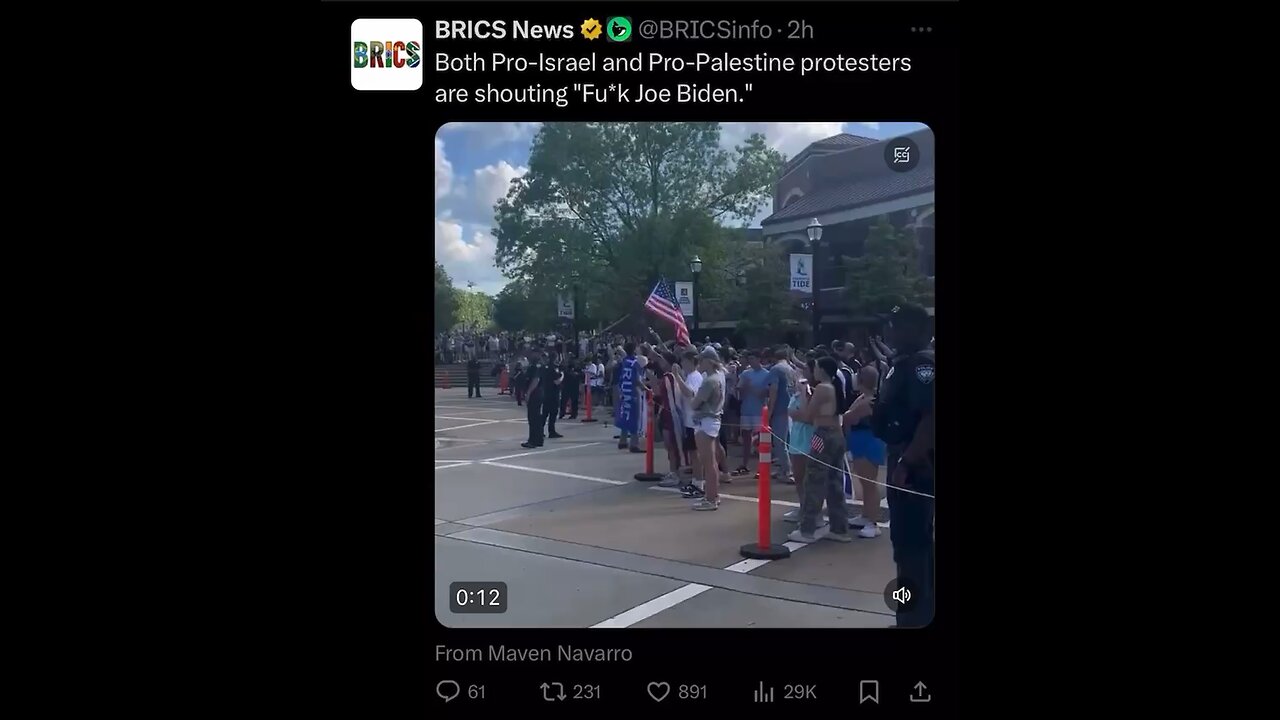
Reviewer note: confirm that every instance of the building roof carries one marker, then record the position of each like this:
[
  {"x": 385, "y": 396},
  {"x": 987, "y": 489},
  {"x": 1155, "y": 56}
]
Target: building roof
[
  {"x": 843, "y": 141},
  {"x": 849, "y": 195}
]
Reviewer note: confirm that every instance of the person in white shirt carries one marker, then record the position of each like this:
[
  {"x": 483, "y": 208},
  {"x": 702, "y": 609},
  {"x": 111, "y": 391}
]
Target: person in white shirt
[
  {"x": 594, "y": 373},
  {"x": 688, "y": 380}
]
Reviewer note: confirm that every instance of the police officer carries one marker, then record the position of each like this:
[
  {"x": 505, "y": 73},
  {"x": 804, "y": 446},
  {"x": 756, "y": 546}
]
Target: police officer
[
  {"x": 520, "y": 379},
  {"x": 533, "y": 401},
  {"x": 552, "y": 379},
  {"x": 473, "y": 376},
  {"x": 571, "y": 388},
  {"x": 903, "y": 419}
]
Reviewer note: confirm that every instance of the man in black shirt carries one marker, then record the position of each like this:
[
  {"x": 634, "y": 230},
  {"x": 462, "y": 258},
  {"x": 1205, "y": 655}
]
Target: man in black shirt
[
  {"x": 552, "y": 379},
  {"x": 572, "y": 387},
  {"x": 903, "y": 418},
  {"x": 473, "y": 376},
  {"x": 533, "y": 401}
]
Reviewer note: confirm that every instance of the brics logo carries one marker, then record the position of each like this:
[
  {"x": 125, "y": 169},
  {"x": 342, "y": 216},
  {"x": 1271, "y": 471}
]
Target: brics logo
[
  {"x": 386, "y": 54},
  {"x": 412, "y": 54}
]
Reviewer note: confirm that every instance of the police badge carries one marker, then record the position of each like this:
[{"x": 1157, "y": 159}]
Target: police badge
[{"x": 925, "y": 373}]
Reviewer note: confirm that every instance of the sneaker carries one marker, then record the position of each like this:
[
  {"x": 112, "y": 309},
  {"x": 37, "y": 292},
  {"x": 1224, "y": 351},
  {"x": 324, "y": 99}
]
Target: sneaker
[
  {"x": 869, "y": 531},
  {"x": 692, "y": 492},
  {"x": 553, "y": 436},
  {"x": 793, "y": 516},
  {"x": 669, "y": 481},
  {"x": 705, "y": 504},
  {"x": 527, "y": 445},
  {"x": 859, "y": 521},
  {"x": 838, "y": 537},
  {"x": 797, "y": 536},
  {"x": 622, "y": 446},
  {"x": 636, "y": 450}
]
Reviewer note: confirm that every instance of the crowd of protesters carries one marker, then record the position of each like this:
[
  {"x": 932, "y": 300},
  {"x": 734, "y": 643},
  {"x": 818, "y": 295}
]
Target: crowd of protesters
[{"x": 837, "y": 415}]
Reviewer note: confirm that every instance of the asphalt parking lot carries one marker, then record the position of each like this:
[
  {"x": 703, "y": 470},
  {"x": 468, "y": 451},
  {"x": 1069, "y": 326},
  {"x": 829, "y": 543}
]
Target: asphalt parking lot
[{"x": 580, "y": 543}]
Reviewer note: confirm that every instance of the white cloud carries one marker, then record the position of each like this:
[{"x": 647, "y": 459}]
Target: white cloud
[
  {"x": 491, "y": 183},
  {"x": 444, "y": 171},
  {"x": 490, "y": 134},
  {"x": 467, "y": 260},
  {"x": 788, "y": 138},
  {"x": 871, "y": 125}
]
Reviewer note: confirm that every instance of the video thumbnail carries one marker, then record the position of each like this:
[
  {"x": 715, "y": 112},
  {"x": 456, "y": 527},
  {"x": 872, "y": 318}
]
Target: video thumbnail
[{"x": 684, "y": 374}]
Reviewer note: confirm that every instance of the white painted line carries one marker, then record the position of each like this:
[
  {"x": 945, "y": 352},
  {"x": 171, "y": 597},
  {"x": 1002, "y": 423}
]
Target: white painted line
[
  {"x": 459, "y": 407},
  {"x": 446, "y": 467},
  {"x": 747, "y": 565},
  {"x": 653, "y": 607},
  {"x": 440, "y": 522},
  {"x": 558, "y": 473},
  {"x": 455, "y": 417},
  {"x": 540, "y": 452},
  {"x": 680, "y": 594},
  {"x": 460, "y": 427}
]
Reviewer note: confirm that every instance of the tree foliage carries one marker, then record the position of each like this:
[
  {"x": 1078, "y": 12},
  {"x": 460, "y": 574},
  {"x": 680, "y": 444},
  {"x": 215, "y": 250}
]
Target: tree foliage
[
  {"x": 475, "y": 310},
  {"x": 887, "y": 273},
  {"x": 765, "y": 304},
  {"x": 446, "y": 304},
  {"x": 609, "y": 207}
]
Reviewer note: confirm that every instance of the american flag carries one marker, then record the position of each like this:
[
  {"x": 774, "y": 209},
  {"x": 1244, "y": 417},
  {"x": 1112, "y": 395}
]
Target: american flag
[{"x": 663, "y": 302}]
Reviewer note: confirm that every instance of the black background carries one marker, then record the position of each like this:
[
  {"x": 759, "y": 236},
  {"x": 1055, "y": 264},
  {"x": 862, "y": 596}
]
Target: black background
[{"x": 387, "y": 568}]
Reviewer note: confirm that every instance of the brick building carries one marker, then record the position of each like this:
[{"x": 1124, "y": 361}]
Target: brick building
[{"x": 845, "y": 182}]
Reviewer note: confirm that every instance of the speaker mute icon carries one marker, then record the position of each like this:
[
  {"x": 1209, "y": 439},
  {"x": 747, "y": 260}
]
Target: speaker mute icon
[{"x": 899, "y": 594}]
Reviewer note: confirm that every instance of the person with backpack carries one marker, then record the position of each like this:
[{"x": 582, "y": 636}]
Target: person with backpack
[{"x": 902, "y": 416}]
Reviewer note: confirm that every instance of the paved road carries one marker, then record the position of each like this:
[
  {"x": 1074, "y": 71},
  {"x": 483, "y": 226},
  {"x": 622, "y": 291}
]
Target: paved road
[{"x": 580, "y": 543}]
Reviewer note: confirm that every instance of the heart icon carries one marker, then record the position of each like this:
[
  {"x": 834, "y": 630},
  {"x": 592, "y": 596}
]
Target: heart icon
[{"x": 659, "y": 691}]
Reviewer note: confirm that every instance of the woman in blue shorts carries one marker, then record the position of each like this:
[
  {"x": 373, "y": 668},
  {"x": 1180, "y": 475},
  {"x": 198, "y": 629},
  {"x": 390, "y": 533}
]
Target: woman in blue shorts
[
  {"x": 867, "y": 451},
  {"x": 801, "y": 436}
]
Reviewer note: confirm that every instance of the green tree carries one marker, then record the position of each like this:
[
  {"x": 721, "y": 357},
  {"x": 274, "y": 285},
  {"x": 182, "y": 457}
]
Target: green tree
[
  {"x": 887, "y": 273},
  {"x": 475, "y": 310},
  {"x": 511, "y": 307},
  {"x": 446, "y": 305},
  {"x": 609, "y": 207},
  {"x": 762, "y": 303}
]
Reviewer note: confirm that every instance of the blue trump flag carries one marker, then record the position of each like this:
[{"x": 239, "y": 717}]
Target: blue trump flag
[{"x": 627, "y": 417}]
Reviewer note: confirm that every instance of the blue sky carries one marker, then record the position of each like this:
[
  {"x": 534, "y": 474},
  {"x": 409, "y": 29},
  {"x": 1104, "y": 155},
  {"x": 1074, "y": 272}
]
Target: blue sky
[{"x": 476, "y": 162}]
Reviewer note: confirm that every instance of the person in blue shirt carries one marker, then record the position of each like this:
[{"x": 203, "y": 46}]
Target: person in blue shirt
[
  {"x": 752, "y": 393},
  {"x": 781, "y": 384}
]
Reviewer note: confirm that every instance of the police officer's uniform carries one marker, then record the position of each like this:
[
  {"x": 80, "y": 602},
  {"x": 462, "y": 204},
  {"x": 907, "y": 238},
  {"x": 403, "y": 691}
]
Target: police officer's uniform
[
  {"x": 906, "y": 393},
  {"x": 533, "y": 402},
  {"x": 551, "y": 379},
  {"x": 570, "y": 389},
  {"x": 473, "y": 376}
]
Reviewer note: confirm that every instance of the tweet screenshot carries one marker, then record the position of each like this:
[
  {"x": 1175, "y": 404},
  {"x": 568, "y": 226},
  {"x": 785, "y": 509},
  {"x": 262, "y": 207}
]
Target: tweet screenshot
[{"x": 681, "y": 364}]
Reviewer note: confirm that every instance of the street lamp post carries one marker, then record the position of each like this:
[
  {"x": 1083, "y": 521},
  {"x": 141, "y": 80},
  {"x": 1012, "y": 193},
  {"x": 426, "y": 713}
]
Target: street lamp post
[
  {"x": 815, "y": 234},
  {"x": 695, "y": 266}
]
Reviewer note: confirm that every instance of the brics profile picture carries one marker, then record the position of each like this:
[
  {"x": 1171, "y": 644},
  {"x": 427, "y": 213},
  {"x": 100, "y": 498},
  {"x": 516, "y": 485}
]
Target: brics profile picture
[{"x": 386, "y": 54}]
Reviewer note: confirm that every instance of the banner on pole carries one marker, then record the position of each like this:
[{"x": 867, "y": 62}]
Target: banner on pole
[
  {"x": 802, "y": 272},
  {"x": 684, "y": 294},
  {"x": 564, "y": 305}
]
